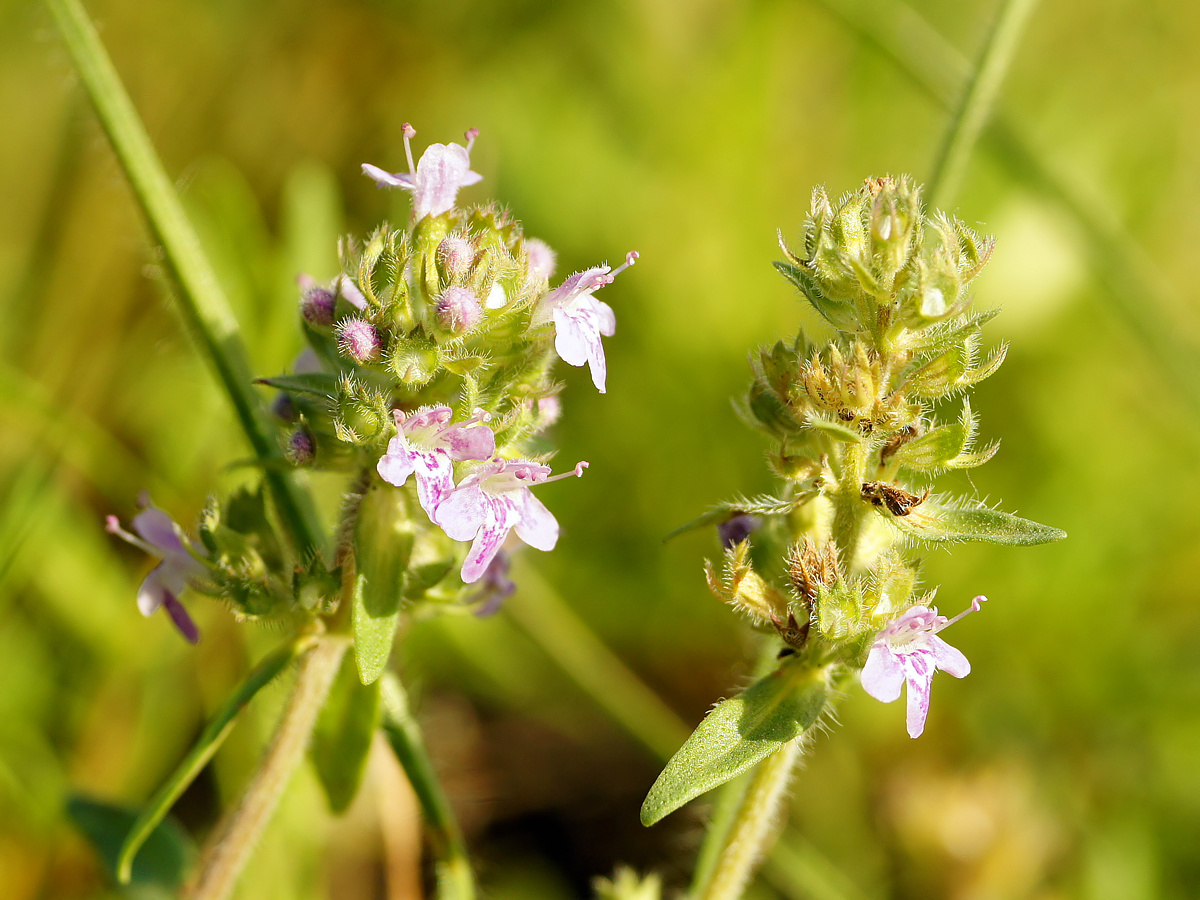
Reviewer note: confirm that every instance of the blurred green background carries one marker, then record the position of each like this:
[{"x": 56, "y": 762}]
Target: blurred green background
[{"x": 1067, "y": 765}]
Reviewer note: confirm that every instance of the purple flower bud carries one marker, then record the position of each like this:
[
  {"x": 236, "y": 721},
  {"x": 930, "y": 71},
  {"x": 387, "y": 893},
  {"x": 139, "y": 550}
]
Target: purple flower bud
[
  {"x": 284, "y": 407},
  {"x": 458, "y": 310},
  {"x": 358, "y": 339},
  {"x": 495, "y": 586},
  {"x": 302, "y": 447},
  {"x": 541, "y": 260},
  {"x": 316, "y": 302},
  {"x": 456, "y": 254},
  {"x": 737, "y": 529}
]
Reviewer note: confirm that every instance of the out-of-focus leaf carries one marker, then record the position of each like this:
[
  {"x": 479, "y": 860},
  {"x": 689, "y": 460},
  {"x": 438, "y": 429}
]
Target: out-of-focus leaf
[
  {"x": 737, "y": 734},
  {"x": 202, "y": 751},
  {"x": 317, "y": 384},
  {"x": 342, "y": 738},
  {"x": 383, "y": 542},
  {"x": 165, "y": 855}
]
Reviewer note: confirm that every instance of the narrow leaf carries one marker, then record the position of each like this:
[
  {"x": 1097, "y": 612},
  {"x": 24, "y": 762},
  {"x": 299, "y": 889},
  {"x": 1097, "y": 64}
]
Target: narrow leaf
[
  {"x": 166, "y": 850},
  {"x": 931, "y": 523},
  {"x": 383, "y": 542},
  {"x": 838, "y": 313},
  {"x": 737, "y": 734},
  {"x": 202, "y": 751},
  {"x": 318, "y": 384},
  {"x": 342, "y": 738},
  {"x": 835, "y": 430}
]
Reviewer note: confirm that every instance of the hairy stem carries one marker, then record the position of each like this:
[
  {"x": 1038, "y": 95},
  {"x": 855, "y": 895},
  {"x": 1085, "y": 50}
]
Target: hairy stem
[
  {"x": 452, "y": 863},
  {"x": 981, "y": 92},
  {"x": 849, "y": 509},
  {"x": 231, "y": 843},
  {"x": 753, "y": 830}
]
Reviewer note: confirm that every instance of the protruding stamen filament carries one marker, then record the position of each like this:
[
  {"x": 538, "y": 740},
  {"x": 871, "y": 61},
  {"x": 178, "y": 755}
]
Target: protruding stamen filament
[
  {"x": 471, "y": 134},
  {"x": 630, "y": 258},
  {"x": 577, "y": 472},
  {"x": 409, "y": 134},
  {"x": 975, "y": 606}
]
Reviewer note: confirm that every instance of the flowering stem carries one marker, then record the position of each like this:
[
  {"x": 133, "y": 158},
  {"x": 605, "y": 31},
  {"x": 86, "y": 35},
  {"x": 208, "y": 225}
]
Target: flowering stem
[
  {"x": 849, "y": 510},
  {"x": 453, "y": 865},
  {"x": 753, "y": 830},
  {"x": 972, "y": 113},
  {"x": 229, "y": 846},
  {"x": 199, "y": 297}
]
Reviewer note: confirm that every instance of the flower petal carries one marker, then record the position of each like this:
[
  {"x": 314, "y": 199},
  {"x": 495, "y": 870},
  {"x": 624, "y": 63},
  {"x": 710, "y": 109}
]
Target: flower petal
[
  {"x": 435, "y": 478},
  {"x": 883, "y": 675},
  {"x": 949, "y": 659},
  {"x": 502, "y": 515},
  {"x": 159, "y": 531},
  {"x": 537, "y": 526},
  {"x": 577, "y": 341},
  {"x": 183, "y": 621},
  {"x": 473, "y": 441},
  {"x": 918, "y": 670},
  {"x": 387, "y": 179},
  {"x": 463, "y": 512},
  {"x": 396, "y": 464}
]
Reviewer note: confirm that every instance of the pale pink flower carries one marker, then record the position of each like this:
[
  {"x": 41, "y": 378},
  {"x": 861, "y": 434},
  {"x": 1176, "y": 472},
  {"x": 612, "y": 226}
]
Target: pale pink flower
[
  {"x": 158, "y": 535},
  {"x": 492, "y": 501},
  {"x": 426, "y": 445},
  {"x": 435, "y": 180},
  {"x": 909, "y": 651},
  {"x": 580, "y": 320}
]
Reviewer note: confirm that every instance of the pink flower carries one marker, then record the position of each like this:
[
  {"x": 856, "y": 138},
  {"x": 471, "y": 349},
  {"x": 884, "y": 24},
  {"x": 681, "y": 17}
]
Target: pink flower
[
  {"x": 435, "y": 180},
  {"x": 580, "y": 320},
  {"x": 426, "y": 444},
  {"x": 491, "y": 502},
  {"x": 159, "y": 536},
  {"x": 909, "y": 650}
]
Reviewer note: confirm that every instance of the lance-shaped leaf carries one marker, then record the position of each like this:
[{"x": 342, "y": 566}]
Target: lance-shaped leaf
[
  {"x": 930, "y": 522},
  {"x": 946, "y": 447},
  {"x": 839, "y": 313},
  {"x": 342, "y": 738},
  {"x": 761, "y": 505},
  {"x": 383, "y": 542},
  {"x": 202, "y": 751},
  {"x": 836, "y": 430},
  {"x": 316, "y": 384},
  {"x": 739, "y": 733}
]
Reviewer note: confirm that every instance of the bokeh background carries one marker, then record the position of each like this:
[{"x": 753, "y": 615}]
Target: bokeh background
[{"x": 1067, "y": 765}]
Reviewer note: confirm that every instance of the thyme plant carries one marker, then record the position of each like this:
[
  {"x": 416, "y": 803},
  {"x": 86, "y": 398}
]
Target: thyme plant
[
  {"x": 828, "y": 566},
  {"x": 427, "y": 381}
]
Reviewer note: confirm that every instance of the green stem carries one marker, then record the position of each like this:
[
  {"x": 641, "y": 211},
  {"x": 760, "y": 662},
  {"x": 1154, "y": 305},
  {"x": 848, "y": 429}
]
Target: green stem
[
  {"x": 206, "y": 745},
  {"x": 229, "y": 846},
  {"x": 848, "y": 506},
  {"x": 754, "y": 827},
  {"x": 199, "y": 297},
  {"x": 977, "y": 101},
  {"x": 455, "y": 878},
  {"x": 566, "y": 639}
]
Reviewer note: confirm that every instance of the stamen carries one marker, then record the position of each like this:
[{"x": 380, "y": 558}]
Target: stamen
[
  {"x": 113, "y": 526},
  {"x": 630, "y": 258},
  {"x": 975, "y": 606},
  {"x": 471, "y": 134},
  {"x": 409, "y": 134},
  {"x": 577, "y": 472}
]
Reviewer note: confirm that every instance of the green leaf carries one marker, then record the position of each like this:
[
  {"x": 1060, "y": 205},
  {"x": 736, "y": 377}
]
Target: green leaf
[
  {"x": 166, "y": 852},
  {"x": 202, "y": 751},
  {"x": 383, "y": 542},
  {"x": 342, "y": 737},
  {"x": 317, "y": 384},
  {"x": 838, "y": 313},
  {"x": 737, "y": 734},
  {"x": 762, "y": 505},
  {"x": 932, "y": 523},
  {"x": 836, "y": 430}
]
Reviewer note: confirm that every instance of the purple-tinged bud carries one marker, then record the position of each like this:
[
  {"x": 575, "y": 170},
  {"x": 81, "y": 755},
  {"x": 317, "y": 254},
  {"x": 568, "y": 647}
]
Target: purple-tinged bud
[
  {"x": 316, "y": 302},
  {"x": 358, "y": 339},
  {"x": 548, "y": 410},
  {"x": 301, "y": 447},
  {"x": 541, "y": 259},
  {"x": 283, "y": 407},
  {"x": 495, "y": 586},
  {"x": 737, "y": 529},
  {"x": 456, "y": 254},
  {"x": 458, "y": 310}
]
